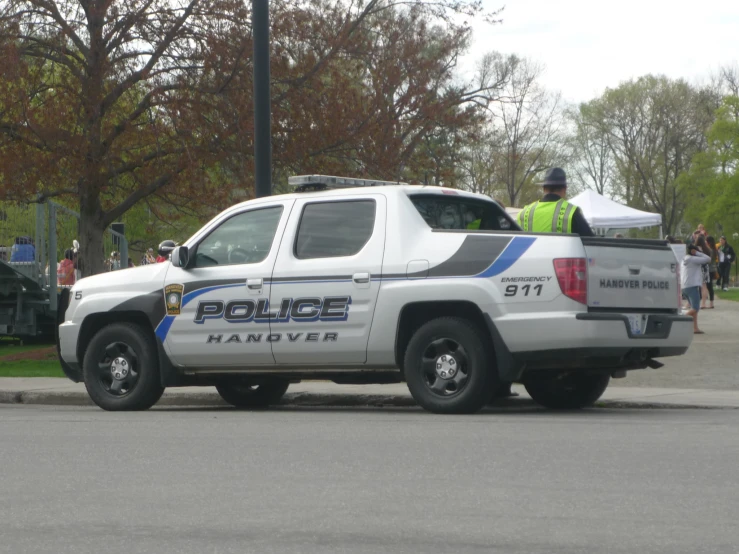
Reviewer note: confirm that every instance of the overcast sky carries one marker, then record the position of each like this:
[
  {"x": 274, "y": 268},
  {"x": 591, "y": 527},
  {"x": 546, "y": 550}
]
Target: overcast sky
[{"x": 587, "y": 46}]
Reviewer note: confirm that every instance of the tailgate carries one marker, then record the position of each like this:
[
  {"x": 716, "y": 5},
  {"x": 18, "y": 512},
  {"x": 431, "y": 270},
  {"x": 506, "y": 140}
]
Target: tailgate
[{"x": 631, "y": 273}]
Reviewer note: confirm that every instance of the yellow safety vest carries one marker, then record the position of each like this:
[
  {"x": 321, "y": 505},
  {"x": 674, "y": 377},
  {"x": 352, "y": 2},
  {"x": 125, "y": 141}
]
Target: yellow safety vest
[
  {"x": 474, "y": 224},
  {"x": 547, "y": 217}
]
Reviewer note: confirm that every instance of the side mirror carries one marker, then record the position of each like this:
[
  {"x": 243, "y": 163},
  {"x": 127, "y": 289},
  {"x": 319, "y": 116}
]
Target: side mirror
[
  {"x": 180, "y": 257},
  {"x": 166, "y": 247}
]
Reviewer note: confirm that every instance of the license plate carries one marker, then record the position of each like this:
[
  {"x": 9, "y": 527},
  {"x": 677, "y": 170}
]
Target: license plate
[{"x": 637, "y": 323}]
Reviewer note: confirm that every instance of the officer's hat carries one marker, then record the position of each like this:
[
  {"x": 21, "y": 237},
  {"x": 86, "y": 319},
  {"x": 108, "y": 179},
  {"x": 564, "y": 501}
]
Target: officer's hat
[{"x": 554, "y": 177}]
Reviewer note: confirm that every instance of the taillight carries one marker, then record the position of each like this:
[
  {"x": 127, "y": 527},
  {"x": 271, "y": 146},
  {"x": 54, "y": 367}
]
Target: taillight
[{"x": 573, "y": 278}]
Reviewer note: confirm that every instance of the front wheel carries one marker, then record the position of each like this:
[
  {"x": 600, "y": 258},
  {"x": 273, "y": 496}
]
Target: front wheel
[
  {"x": 121, "y": 368},
  {"x": 447, "y": 367},
  {"x": 253, "y": 394},
  {"x": 569, "y": 392}
]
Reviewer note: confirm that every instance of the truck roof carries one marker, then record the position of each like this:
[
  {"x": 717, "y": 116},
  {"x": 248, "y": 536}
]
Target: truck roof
[{"x": 388, "y": 190}]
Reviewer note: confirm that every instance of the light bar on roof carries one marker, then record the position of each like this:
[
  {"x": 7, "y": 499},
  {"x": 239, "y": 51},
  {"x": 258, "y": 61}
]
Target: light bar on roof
[{"x": 331, "y": 182}]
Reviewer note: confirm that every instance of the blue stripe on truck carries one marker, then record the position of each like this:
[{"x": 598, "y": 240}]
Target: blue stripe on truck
[{"x": 512, "y": 253}]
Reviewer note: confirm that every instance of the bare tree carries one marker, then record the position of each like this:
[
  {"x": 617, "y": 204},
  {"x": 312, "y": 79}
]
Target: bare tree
[
  {"x": 729, "y": 80},
  {"x": 481, "y": 162},
  {"x": 591, "y": 158},
  {"x": 530, "y": 120}
]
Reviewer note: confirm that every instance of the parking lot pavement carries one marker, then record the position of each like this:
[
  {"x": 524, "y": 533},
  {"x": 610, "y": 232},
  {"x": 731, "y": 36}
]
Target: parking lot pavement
[
  {"x": 323, "y": 481},
  {"x": 712, "y": 362}
]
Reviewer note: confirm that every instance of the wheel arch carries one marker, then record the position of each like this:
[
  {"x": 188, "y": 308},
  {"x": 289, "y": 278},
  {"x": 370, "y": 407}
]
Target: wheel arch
[
  {"x": 415, "y": 314},
  {"x": 94, "y": 322}
]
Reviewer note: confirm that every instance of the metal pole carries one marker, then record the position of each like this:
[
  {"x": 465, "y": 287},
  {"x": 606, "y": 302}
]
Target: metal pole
[
  {"x": 262, "y": 111},
  {"x": 40, "y": 239},
  {"x": 124, "y": 252},
  {"x": 52, "y": 252}
]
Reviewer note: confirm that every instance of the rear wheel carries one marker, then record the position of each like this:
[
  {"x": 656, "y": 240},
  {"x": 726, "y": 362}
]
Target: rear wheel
[
  {"x": 121, "y": 368},
  {"x": 569, "y": 392},
  {"x": 258, "y": 393},
  {"x": 447, "y": 367}
]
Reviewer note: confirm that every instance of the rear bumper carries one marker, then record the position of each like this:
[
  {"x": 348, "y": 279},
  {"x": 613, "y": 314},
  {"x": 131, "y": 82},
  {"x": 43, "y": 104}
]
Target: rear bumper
[
  {"x": 588, "y": 340},
  {"x": 659, "y": 326},
  {"x": 593, "y": 358}
]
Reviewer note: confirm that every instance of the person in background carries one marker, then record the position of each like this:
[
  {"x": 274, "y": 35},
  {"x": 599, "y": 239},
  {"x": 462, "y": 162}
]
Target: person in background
[
  {"x": 65, "y": 274},
  {"x": 700, "y": 230},
  {"x": 726, "y": 258},
  {"x": 712, "y": 269},
  {"x": 618, "y": 236},
  {"x": 78, "y": 266},
  {"x": 148, "y": 258},
  {"x": 692, "y": 279},
  {"x": 115, "y": 261},
  {"x": 23, "y": 250},
  {"x": 702, "y": 245},
  {"x": 130, "y": 263}
]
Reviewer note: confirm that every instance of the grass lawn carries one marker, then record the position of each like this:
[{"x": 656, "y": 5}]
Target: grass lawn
[
  {"x": 731, "y": 294},
  {"x": 34, "y": 359},
  {"x": 31, "y": 368},
  {"x": 9, "y": 347}
]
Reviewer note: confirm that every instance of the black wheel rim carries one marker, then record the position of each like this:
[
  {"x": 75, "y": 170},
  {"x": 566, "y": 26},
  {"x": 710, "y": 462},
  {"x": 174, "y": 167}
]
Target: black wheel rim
[
  {"x": 118, "y": 369},
  {"x": 445, "y": 367}
]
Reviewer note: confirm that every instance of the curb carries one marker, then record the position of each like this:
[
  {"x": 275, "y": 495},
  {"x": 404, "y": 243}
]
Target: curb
[
  {"x": 649, "y": 405},
  {"x": 313, "y": 399},
  {"x": 58, "y": 398}
]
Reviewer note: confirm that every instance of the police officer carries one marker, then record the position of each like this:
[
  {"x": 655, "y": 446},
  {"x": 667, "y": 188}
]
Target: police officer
[{"x": 553, "y": 214}]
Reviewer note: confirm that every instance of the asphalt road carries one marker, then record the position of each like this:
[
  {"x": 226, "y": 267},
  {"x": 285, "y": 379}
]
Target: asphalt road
[{"x": 79, "y": 480}]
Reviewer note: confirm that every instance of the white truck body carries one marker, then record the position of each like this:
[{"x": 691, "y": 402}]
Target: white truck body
[{"x": 322, "y": 297}]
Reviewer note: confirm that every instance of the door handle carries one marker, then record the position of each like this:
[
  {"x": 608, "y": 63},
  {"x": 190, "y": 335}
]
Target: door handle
[
  {"x": 254, "y": 284},
  {"x": 361, "y": 278}
]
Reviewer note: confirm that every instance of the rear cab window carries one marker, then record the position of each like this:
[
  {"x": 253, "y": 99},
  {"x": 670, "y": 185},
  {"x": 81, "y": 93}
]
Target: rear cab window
[
  {"x": 461, "y": 213},
  {"x": 334, "y": 229}
]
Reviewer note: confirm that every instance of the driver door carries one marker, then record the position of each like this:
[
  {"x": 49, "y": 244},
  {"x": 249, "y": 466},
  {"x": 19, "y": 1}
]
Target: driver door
[{"x": 223, "y": 319}]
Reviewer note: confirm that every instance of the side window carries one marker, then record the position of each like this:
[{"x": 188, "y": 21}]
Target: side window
[
  {"x": 448, "y": 212},
  {"x": 245, "y": 238},
  {"x": 334, "y": 229}
]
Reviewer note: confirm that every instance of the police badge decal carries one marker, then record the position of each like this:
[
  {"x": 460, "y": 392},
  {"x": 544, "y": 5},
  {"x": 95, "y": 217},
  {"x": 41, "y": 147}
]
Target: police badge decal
[{"x": 173, "y": 298}]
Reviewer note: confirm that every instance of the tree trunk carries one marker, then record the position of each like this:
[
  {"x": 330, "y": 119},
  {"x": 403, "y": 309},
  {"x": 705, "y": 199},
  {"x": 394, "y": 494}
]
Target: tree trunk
[{"x": 92, "y": 253}]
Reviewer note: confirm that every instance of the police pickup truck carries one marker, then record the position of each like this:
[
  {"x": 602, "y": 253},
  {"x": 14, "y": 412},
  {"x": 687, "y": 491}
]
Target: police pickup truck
[{"x": 359, "y": 281}]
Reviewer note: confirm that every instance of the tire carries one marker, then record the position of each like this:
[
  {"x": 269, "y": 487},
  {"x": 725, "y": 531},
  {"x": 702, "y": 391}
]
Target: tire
[
  {"x": 569, "y": 392},
  {"x": 253, "y": 394},
  {"x": 138, "y": 386},
  {"x": 469, "y": 378}
]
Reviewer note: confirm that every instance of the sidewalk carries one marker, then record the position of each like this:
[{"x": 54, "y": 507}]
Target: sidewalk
[{"x": 63, "y": 392}]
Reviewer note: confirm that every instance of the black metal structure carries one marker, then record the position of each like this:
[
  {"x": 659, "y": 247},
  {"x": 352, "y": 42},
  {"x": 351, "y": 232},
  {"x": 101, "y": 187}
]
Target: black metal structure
[{"x": 262, "y": 109}]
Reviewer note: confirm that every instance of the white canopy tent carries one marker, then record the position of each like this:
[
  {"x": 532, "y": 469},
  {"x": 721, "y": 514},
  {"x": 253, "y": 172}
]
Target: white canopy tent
[{"x": 603, "y": 213}]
